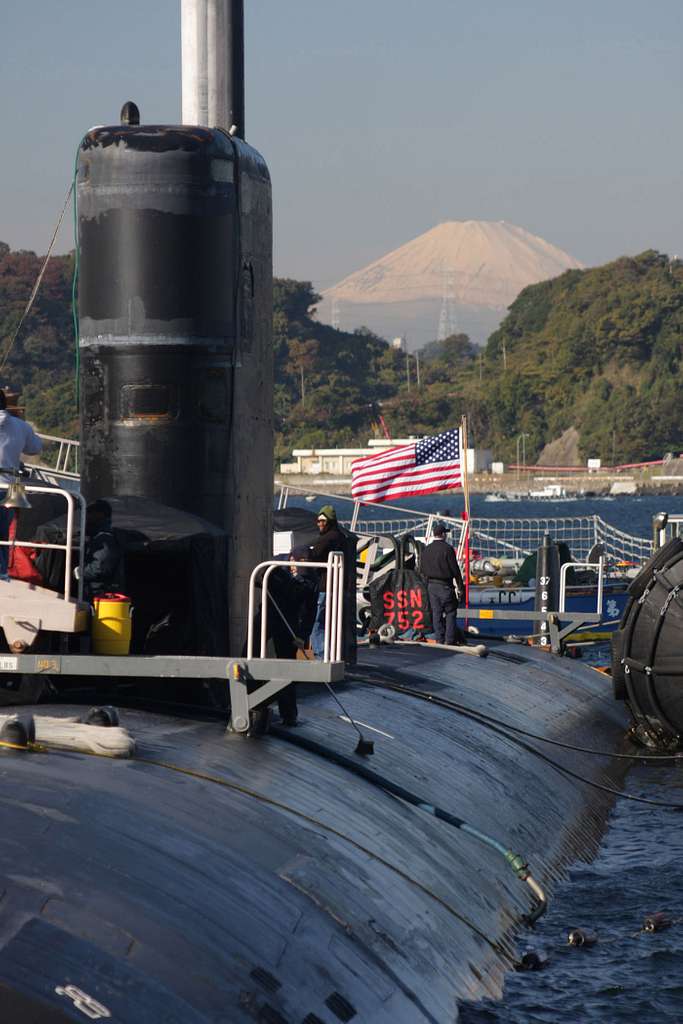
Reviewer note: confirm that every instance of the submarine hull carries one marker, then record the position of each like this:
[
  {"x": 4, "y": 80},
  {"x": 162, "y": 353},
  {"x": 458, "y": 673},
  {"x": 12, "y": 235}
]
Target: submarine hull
[{"x": 213, "y": 878}]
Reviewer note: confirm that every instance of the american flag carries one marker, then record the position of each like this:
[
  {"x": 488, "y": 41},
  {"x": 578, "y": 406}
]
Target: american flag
[{"x": 421, "y": 467}]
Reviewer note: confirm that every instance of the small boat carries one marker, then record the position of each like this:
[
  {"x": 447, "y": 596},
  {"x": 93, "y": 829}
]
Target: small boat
[
  {"x": 505, "y": 496},
  {"x": 552, "y": 492}
]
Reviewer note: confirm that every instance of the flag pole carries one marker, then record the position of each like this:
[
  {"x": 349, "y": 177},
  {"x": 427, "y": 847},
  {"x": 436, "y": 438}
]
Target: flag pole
[{"x": 466, "y": 513}]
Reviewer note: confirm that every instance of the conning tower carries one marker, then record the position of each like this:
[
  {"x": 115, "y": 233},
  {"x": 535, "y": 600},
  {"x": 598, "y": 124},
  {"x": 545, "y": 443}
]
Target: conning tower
[{"x": 175, "y": 304}]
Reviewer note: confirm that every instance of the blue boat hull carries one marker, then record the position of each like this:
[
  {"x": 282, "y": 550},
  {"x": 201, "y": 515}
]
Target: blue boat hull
[{"x": 521, "y": 599}]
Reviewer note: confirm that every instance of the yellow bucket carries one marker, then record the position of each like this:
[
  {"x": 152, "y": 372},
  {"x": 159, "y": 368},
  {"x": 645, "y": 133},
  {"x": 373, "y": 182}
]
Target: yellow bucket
[{"x": 111, "y": 624}]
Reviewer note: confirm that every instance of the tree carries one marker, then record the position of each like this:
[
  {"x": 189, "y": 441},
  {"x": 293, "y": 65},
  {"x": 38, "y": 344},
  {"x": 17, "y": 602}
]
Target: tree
[{"x": 302, "y": 356}]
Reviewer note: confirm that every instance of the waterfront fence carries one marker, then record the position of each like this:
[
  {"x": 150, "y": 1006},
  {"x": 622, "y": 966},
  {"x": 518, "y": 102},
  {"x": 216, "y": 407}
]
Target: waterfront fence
[{"x": 519, "y": 537}]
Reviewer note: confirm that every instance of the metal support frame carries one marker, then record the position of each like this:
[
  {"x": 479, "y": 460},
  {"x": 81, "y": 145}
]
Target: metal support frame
[
  {"x": 508, "y": 613},
  {"x": 560, "y": 624},
  {"x": 169, "y": 666},
  {"x": 242, "y": 702},
  {"x": 239, "y": 673},
  {"x": 251, "y": 682}
]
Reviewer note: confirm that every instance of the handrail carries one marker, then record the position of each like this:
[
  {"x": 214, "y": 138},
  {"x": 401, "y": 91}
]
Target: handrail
[
  {"x": 334, "y": 606},
  {"x": 282, "y": 498},
  {"x": 66, "y": 452},
  {"x": 71, "y": 498},
  {"x": 599, "y": 568},
  {"x": 62, "y": 440}
]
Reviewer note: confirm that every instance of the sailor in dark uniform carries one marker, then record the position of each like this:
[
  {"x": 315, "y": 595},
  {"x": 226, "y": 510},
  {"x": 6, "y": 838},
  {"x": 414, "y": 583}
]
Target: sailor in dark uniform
[
  {"x": 440, "y": 567},
  {"x": 103, "y": 566}
]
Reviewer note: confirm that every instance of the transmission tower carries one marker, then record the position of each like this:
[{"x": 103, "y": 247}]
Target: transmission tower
[
  {"x": 336, "y": 318},
  {"x": 448, "y": 323}
]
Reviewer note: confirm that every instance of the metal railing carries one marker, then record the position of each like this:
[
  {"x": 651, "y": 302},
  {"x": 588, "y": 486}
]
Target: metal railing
[
  {"x": 65, "y": 452},
  {"x": 519, "y": 537},
  {"x": 388, "y": 527},
  {"x": 666, "y": 526},
  {"x": 282, "y": 498},
  {"x": 599, "y": 568},
  {"x": 620, "y": 546},
  {"x": 67, "y": 547},
  {"x": 334, "y": 606}
]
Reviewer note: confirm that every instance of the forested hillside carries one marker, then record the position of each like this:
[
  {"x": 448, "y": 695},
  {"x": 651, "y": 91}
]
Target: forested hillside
[
  {"x": 42, "y": 361},
  {"x": 600, "y": 350}
]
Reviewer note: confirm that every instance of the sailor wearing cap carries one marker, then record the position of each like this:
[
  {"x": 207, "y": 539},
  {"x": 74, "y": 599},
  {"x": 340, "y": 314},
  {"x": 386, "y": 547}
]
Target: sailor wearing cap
[
  {"x": 440, "y": 566},
  {"x": 330, "y": 540}
]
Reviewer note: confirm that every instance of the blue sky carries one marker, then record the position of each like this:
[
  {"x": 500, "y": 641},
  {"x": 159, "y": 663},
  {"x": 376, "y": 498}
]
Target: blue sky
[{"x": 380, "y": 118}]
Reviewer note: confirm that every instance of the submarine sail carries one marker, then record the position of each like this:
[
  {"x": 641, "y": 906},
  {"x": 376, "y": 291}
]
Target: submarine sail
[{"x": 174, "y": 303}]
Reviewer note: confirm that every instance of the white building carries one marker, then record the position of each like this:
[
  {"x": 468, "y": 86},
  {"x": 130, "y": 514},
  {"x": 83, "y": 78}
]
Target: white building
[{"x": 337, "y": 461}]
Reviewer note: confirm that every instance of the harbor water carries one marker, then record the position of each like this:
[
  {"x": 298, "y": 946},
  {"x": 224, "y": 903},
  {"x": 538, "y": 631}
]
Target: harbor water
[{"x": 628, "y": 975}]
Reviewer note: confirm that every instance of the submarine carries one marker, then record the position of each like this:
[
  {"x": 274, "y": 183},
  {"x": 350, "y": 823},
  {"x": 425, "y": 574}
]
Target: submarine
[{"x": 167, "y": 853}]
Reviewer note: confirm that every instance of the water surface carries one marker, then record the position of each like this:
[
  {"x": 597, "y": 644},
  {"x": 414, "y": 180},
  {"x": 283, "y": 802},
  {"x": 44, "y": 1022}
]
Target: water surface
[{"x": 628, "y": 975}]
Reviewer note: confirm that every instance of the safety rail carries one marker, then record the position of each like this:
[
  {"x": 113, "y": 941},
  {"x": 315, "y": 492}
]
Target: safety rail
[
  {"x": 283, "y": 498},
  {"x": 666, "y": 526},
  {"x": 388, "y": 527},
  {"x": 71, "y": 499},
  {"x": 334, "y": 606},
  {"x": 598, "y": 567},
  {"x": 66, "y": 457},
  {"x": 620, "y": 546},
  {"x": 520, "y": 537}
]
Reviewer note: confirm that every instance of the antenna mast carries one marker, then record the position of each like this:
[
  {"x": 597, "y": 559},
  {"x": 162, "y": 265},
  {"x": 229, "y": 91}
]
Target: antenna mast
[
  {"x": 212, "y": 45},
  {"x": 448, "y": 323}
]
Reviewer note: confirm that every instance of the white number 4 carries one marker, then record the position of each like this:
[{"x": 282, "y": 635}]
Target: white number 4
[{"x": 83, "y": 1002}]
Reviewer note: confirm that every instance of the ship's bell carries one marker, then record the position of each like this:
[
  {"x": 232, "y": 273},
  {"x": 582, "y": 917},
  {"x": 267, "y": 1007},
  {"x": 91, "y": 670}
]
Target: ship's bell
[{"x": 16, "y": 497}]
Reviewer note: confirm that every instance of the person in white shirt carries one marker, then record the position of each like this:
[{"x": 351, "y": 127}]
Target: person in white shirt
[{"x": 17, "y": 438}]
